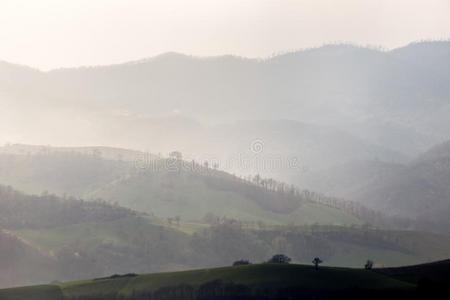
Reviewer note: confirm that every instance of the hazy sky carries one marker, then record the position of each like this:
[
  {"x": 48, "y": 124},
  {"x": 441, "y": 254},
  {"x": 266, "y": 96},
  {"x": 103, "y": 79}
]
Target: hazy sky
[{"x": 54, "y": 33}]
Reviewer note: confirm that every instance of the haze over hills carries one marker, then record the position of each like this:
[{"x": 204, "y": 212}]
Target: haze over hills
[
  {"x": 225, "y": 147},
  {"x": 379, "y": 96},
  {"x": 174, "y": 150},
  {"x": 163, "y": 186},
  {"x": 22, "y": 264},
  {"x": 322, "y": 107},
  {"x": 72, "y": 239},
  {"x": 418, "y": 189},
  {"x": 169, "y": 187}
]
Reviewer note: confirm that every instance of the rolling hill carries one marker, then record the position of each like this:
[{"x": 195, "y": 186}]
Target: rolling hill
[
  {"x": 72, "y": 238},
  {"x": 75, "y": 239},
  {"x": 161, "y": 186},
  {"x": 435, "y": 272},
  {"x": 271, "y": 281}
]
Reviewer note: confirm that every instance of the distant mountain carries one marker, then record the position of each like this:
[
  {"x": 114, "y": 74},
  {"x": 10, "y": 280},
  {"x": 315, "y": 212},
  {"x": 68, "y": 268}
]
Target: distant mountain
[
  {"x": 428, "y": 55},
  {"x": 289, "y": 150},
  {"x": 439, "y": 151},
  {"x": 349, "y": 179},
  {"x": 418, "y": 189},
  {"x": 385, "y": 98}
]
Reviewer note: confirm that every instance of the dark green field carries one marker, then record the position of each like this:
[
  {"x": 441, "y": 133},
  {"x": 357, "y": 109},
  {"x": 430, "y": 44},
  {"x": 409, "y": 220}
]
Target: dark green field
[{"x": 262, "y": 281}]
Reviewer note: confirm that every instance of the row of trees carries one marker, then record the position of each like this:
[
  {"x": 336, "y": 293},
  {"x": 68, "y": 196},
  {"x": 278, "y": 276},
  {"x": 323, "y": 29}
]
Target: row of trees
[
  {"x": 362, "y": 212},
  {"x": 284, "y": 259},
  {"x": 18, "y": 210},
  {"x": 274, "y": 195}
]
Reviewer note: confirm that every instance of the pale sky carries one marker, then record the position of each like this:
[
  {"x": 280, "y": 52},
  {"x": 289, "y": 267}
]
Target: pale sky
[{"x": 62, "y": 33}]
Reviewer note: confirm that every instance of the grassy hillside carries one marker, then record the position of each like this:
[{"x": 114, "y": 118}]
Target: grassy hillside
[
  {"x": 192, "y": 195},
  {"x": 437, "y": 272},
  {"x": 142, "y": 245},
  {"x": 82, "y": 239},
  {"x": 43, "y": 292},
  {"x": 71, "y": 238},
  {"x": 163, "y": 187},
  {"x": 234, "y": 218},
  {"x": 265, "y": 279}
]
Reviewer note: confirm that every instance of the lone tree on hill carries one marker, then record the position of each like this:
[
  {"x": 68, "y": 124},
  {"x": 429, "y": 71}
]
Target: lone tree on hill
[
  {"x": 317, "y": 261},
  {"x": 280, "y": 259},
  {"x": 368, "y": 265}
]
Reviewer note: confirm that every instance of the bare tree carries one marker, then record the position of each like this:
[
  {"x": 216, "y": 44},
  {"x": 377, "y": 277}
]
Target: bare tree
[
  {"x": 317, "y": 261},
  {"x": 368, "y": 265}
]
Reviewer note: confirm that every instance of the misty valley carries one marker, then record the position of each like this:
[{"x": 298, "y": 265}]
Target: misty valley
[{"x": 321, "y": 173}]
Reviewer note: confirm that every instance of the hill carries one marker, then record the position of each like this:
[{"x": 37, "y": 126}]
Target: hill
[
  {"x": 348, "y": 179},
  {"x": 271, "y": 281},
  {"x": 163, "y": 186},
  {"x": 75, "y": 239},
  {"x": 72, "y": 238},
  {"x": 430, "y": 273},
  {"x": 18, "y": 210},
  {"x": 110, "y": 153},
  {"x": 63, "y": 172},
  {"x": 22, "y": 264},
  {"x": 289, "y": 149},
  {"x": 418, "y": 189}
]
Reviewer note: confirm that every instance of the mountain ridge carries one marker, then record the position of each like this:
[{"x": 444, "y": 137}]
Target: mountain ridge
[{"x": 343, "y": 45}]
